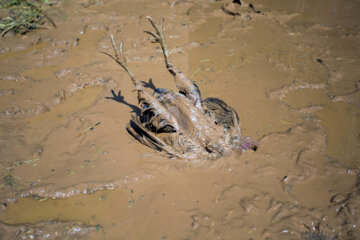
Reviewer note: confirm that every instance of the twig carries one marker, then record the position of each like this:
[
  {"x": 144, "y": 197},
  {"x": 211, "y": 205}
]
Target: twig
[{"x": 88, "y": 128}]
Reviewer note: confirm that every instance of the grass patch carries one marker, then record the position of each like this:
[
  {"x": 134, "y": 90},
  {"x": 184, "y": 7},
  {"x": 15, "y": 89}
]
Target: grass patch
[{"x": 21, "y": 16}]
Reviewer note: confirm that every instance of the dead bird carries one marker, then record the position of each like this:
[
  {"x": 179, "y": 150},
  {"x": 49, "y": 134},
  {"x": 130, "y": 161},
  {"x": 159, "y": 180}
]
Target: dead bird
[{"x": 181, "y": 123}]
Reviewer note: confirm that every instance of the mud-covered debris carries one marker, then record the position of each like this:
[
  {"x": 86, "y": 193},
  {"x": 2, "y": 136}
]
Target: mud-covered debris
[
  {"x": 181, "y": 123},
  {"x": 239, "y": 8},
  {"x": 47, "y": 230}
]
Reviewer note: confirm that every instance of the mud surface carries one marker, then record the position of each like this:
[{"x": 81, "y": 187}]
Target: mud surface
[{"x": 289, "y": 70}]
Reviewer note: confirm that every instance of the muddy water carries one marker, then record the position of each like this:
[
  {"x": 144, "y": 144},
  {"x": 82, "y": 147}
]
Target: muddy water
[{"x": 290, "y": 71}]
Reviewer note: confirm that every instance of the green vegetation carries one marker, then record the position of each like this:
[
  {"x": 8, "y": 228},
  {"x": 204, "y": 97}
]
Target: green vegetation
[{"x": 22, "y": 15}]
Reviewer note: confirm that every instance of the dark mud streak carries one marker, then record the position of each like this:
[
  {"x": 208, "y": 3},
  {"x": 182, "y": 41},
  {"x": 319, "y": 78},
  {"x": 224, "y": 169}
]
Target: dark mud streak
[
  {"x": 297, "y": 161},
  {"x": 280, "y": 132}
]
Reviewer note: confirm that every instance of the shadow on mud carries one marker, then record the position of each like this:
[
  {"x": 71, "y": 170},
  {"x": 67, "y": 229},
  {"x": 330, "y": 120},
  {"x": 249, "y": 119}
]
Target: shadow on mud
[{"x": 119, "y": 98}]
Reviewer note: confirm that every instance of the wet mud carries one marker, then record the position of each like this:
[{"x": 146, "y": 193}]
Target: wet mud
[{"x": 69, "y": 168}]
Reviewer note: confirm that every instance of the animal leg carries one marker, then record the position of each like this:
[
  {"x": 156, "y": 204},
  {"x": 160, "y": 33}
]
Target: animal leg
[
  {"x": 161, "y": 116},
  {"x": 183, "y": 84}
]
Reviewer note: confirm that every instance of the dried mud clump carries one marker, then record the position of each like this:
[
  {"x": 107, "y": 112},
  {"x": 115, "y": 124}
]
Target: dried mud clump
[{"x": 181, "y": 123}]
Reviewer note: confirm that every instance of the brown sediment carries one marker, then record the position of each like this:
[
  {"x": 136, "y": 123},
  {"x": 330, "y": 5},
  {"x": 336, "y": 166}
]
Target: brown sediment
[
  {"x": 265, "y": 193},
  {"x": 290, "y": 72}
]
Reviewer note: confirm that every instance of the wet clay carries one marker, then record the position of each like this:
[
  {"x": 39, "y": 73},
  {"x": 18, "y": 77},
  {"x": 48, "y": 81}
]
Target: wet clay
[{"x": 69, "y": 168}]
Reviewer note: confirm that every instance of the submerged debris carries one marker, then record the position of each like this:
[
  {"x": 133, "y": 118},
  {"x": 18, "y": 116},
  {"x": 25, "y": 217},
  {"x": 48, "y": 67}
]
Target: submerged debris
[{"x": 180, "y": 123}]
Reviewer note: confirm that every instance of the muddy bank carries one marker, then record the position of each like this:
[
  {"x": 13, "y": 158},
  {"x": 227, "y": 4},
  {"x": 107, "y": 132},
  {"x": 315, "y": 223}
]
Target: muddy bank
[{"x": 289, "y": 72}]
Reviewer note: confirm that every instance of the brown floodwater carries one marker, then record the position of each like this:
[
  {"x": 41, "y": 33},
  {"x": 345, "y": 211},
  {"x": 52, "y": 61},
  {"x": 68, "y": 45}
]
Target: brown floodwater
[{"x": 70, "y": 170}]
